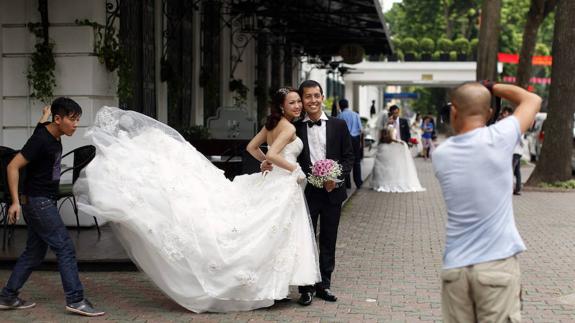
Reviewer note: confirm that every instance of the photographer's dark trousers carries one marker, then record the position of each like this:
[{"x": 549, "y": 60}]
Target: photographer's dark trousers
[
  {"x": 358, "y": 154},
  {"x": 45, "y": 229},
  {"x": 517, "y": 172}
]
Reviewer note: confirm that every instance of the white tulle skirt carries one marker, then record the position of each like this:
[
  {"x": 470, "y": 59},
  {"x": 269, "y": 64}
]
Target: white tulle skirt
[
  {"x": 394, "y": 170},
  {"x": 208, "y": 243}
]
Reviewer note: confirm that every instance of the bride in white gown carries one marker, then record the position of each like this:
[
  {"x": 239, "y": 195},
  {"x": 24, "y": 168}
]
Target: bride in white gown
[
  {"x": 208, "y": 243},
  {"x": 394, "y": 169}
]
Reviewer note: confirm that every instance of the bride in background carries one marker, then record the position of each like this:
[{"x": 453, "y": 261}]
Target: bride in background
[
  {"x": 208, "y": 243},
  {"x": 394, "y": 169}
]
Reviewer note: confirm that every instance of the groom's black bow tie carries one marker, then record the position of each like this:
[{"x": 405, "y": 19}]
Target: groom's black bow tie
[{"x": 311, "y": 123}]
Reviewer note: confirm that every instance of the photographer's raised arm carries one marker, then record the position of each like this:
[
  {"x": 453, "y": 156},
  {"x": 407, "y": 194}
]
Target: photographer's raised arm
[{"x": 527, "y": 103}]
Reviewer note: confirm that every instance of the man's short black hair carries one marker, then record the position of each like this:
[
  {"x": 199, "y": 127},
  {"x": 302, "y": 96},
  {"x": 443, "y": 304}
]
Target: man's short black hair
[
  {"x": 343, "y": 104},
  {"x": 393, "y": 108},
  {"x": 65, "y": 107},
  {"x": 307, "y": 84}
]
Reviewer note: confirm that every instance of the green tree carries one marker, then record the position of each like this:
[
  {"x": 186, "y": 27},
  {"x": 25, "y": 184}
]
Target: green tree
[
  {"x": 488, "y": 40},
  {"x": 555, "y": 161},
  {"x": 538, "y": 11}
]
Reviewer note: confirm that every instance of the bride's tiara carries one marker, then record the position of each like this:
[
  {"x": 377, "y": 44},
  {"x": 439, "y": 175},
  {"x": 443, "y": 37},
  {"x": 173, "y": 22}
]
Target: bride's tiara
[{"x": 284, "y": 90}]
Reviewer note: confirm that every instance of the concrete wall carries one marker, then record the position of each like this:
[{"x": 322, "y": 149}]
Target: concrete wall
[
  {"x": 79, "y": 75},
  {"x": 366, "y": 94}
]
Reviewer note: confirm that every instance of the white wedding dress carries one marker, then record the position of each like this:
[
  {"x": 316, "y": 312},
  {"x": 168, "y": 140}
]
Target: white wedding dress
[
  {"x": 394, "y": 170},
  {"x": 210, "y": 244}
]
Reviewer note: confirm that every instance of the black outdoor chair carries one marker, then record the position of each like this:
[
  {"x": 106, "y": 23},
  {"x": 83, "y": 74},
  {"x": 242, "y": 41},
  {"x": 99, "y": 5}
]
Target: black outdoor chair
[
  {"x": 6, "y": 155},
  {"x": 82, "y": 156}
]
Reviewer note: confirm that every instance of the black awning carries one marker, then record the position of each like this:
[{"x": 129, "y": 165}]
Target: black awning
[{"x": 322, "y": 27}]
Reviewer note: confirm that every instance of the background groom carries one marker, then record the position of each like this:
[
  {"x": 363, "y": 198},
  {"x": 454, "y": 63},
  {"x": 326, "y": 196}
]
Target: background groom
[{"x": 323, "y": 138}]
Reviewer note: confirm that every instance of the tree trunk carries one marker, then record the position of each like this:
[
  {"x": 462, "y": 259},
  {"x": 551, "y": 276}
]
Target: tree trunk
[
  {"x": 538, "y": 11},
  {"x": 448, "y": 22},
  {"x": 555, "y": 162},
  {"x": 488, "y": 40},
  {"x": 527, "y": 48}
]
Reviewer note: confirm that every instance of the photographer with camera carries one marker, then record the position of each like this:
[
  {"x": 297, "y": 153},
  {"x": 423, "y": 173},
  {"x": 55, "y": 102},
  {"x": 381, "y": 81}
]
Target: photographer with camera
[{"x": 481, "y": 276}]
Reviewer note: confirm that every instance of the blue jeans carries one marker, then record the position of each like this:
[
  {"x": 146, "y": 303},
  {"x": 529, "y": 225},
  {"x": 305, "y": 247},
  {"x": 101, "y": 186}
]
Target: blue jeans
[{"x": 46, "y": 229}]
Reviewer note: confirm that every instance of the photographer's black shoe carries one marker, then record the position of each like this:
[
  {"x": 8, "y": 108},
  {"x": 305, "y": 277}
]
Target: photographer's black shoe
[
  {"x": 15, "y": 304},
  {"x": 84, "y": 307},
  {"x": 305, "y": 299},
  {"x": 326, "y": 295}
]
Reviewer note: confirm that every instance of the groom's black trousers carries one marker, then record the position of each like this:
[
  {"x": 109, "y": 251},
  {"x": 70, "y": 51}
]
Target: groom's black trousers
[{"x": 328, "y": 214}]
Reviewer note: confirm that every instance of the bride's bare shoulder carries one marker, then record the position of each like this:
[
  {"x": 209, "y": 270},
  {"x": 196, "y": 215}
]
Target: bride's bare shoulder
[{"x": 285, "y": 125}]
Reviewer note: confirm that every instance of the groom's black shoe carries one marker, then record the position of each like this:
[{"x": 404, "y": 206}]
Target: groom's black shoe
[
  {"x": 305, "y": 299},
  {"x": 326, "y": 295}
]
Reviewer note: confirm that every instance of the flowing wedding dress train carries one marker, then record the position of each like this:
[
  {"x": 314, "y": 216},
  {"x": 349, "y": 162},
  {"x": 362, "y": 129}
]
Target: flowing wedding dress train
[
  {"x": 394, "y": 170},
  {"x": 208, "y": 243}
]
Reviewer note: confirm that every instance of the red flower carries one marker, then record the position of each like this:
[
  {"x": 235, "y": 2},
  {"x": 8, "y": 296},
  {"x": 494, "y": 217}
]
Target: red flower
[{"x": 413, "y": 141}]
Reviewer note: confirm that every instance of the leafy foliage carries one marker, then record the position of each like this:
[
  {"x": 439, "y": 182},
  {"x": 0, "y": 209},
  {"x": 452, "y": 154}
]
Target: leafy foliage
[
  {"x": 570, "y": 184},
  {"x": 409, "y": 45},
  {"x": 40, "y": 72},
  {"x": 427, "y": 45},
  {"x": 461, "y": 45},
  {"x": 109, "y": 52},
  {"x": 445, "y": 20},
  {"x": 195, "y": 133},
  {"x": 445, "y": 45}
]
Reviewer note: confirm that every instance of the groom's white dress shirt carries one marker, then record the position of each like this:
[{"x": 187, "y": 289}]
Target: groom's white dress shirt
[{"x": 316, "y": 139}]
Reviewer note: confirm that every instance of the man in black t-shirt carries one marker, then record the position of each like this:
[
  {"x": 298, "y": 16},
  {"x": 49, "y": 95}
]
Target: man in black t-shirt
[{"x": 41, "y": 155}]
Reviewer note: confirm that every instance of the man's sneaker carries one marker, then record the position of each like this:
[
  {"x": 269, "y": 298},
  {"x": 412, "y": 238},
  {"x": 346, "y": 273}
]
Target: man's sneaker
[
  {"x": 15, "y": 304},
  {"x": 83, "y": 307}
]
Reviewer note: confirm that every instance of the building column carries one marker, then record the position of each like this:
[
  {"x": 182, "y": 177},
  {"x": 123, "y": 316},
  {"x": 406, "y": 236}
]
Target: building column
[
  {"x": 210, "y": 77},
  {"x": 277, "y": 66},
  {"x": 262, "y": 68},
  {"x": 161, "y": 87},
  {"x": 197, "y": 113},
  {"x": 288, "y": 66}
]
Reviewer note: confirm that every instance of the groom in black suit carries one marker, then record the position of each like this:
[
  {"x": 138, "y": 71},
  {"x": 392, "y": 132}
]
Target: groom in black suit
[
  {"x": 323, "y": 138},
  {"x": 401, "y": 125}
]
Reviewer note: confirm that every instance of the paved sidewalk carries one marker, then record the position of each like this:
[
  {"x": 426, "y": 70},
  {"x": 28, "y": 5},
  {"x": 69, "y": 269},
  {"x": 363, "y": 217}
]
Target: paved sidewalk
[{"x": 388, "y": 262}]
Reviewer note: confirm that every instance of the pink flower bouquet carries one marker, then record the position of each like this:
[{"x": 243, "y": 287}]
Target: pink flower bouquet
[{"x": 324, "y": 170}]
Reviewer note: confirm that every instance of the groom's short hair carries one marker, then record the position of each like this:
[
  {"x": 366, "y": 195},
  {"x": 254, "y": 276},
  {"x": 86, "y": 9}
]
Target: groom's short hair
[{"x": 307, "y": 84}]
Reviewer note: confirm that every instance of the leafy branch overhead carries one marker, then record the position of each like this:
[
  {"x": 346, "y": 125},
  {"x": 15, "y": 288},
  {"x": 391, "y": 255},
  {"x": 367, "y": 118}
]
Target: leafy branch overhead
[{"x": 109, "y": 52}]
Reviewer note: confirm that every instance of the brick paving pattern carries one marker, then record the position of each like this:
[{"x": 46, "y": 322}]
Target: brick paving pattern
[{"x": 388, "y": 262}]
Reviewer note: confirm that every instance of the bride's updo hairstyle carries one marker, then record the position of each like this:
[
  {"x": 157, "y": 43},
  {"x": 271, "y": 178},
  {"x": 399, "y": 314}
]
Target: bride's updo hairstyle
[
  {"x": 276, "y": 111},
  {"x": 385, "y": 136}
]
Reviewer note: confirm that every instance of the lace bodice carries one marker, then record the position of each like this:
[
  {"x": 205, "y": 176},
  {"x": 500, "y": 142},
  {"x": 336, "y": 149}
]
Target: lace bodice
[{"x": 292, "y": 150}]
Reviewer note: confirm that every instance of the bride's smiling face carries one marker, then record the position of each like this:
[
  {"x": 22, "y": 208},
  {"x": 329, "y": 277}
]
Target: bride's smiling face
[{"x": 292, "y": 105}]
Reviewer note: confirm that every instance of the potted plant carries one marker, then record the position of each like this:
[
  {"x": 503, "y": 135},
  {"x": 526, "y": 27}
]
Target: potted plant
[
  {"x": 241, "y": 92},
  {"x": 396, "y": 49},
  {"x": 473, "y": 45},
  {"x": 444, "y": 45},
  {"x": 461, "y": 46},
  {"x": 409, "y": 48},
  {"x": 426, "y": 46},
  {"x": 195, "y": 133}
]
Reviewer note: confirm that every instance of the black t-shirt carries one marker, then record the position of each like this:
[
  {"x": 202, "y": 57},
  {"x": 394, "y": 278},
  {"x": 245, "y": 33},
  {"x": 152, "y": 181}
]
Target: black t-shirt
[{"x": 44, "y": 155}]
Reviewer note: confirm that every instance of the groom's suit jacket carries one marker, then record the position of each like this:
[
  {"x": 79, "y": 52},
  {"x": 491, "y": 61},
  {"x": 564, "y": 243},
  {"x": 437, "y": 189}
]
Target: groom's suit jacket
[{"x": 338, "y": 148}]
